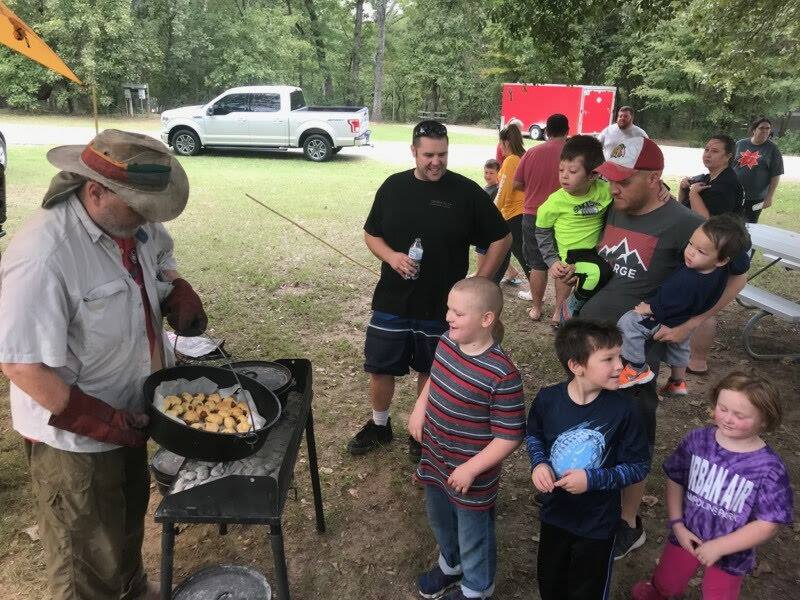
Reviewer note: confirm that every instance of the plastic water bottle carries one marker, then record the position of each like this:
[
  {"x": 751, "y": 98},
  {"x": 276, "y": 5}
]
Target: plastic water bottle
[{"x": 415, "y": 254}]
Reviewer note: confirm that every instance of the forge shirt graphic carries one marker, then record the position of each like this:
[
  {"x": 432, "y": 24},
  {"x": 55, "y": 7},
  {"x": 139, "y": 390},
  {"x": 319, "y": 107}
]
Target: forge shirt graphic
[{"x": 628, "y": 252}]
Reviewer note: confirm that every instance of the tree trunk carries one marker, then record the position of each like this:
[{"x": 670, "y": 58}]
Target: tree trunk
[
  {"x": 380, "y": 52},
  {"x": 319, "y": 45},
  {"x": 355, "y": 58}
]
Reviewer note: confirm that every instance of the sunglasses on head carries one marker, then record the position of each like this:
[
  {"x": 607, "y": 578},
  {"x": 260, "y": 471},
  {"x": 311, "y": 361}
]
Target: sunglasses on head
[{"x": 429, "y": 129}]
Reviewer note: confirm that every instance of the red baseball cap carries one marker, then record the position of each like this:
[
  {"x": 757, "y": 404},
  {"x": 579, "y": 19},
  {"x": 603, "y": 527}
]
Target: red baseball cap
[{"x": 634, "y": 154}]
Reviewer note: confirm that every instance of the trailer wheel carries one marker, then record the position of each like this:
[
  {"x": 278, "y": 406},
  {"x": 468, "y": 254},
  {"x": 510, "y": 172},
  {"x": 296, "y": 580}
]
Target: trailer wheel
[
  {"x": 536, "y": 132},
  {"x": 317, "y": 148}
]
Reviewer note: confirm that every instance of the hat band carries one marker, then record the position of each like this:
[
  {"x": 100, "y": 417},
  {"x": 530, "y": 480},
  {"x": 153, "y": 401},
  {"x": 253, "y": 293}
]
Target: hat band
[{"x": 151, "y": 177}]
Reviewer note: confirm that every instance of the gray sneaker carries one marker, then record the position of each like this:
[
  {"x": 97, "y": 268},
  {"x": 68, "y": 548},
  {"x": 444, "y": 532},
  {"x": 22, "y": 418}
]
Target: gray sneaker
[{"x": 628, "y": 538}]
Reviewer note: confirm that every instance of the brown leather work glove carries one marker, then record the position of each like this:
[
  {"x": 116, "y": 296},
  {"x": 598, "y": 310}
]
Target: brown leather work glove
[
  {"x": 89, "y": 416},
  {"x": 184, "y": 310}
]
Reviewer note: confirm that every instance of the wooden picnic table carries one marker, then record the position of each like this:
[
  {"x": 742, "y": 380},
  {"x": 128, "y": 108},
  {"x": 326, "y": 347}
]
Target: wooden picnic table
[{"x": 782, "y": 247}]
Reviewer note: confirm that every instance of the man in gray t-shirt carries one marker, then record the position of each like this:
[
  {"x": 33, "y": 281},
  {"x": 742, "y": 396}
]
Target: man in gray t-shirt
[{"x": 643, "y": 241}]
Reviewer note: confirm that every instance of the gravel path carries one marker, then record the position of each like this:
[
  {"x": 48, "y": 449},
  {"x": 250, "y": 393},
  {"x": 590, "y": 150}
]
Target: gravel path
[{"x": 679, "y": 161}]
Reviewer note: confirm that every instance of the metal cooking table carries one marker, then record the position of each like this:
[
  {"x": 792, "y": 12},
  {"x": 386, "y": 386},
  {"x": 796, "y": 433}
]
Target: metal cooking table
[{"x": 251, "y": 491}]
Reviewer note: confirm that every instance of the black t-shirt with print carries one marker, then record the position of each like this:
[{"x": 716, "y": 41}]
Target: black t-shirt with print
[{"x": 448, "y": 216}]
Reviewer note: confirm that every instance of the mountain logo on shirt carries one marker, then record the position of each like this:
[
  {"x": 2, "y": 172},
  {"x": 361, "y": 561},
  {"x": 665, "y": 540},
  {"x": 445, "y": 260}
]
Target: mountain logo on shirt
[
  {"x": 590, "y": 207},
  {"x": 618, "y": 151},
  {"x": 749, "y": 159},
  {"x": 628, "y": 252},
  {"x": 577, "y": 448}
]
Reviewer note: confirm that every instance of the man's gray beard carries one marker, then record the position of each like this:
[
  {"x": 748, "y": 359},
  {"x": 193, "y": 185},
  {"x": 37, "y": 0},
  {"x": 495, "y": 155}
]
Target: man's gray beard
[{"x": 118, "y": 232}]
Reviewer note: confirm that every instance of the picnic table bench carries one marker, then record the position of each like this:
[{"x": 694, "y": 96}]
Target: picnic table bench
[
  {"x": 780, "y": 247},
  {"x": 767, "y": 304}
]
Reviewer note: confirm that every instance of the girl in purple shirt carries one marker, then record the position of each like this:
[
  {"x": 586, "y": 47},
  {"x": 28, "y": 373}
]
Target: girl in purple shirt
[{"x": 727, "y": 492}]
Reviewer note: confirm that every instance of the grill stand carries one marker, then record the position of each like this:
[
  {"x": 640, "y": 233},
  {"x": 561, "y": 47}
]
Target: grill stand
[{"x": 255, "y": 500}]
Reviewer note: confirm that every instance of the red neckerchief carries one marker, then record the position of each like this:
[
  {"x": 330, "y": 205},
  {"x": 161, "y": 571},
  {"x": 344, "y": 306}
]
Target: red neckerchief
[{"x": 130, "y": 260}]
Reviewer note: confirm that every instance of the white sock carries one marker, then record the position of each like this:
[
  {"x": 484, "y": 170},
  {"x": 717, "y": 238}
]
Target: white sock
[{"x": 380, "y": 417}]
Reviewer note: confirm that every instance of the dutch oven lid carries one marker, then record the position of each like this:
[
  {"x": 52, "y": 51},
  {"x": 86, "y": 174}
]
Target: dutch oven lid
[
  {"x": 224, "y": 582},
  {"x": 166, "y": 462},
  {"x": 271, "y": 375}
]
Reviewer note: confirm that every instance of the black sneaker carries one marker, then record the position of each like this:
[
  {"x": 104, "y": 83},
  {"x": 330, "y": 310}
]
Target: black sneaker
[
  {"x": 414, "y": 450},
  {"x": 628, "y": 538},
  {"x": 434, "y": 583},
  {"x": 370, "y": 437}
]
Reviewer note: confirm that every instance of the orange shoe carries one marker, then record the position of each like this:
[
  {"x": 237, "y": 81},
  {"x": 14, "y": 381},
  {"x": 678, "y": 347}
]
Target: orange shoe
[
  {"x": 630, "y": 376},
  {"x": 674, "y": 388}
]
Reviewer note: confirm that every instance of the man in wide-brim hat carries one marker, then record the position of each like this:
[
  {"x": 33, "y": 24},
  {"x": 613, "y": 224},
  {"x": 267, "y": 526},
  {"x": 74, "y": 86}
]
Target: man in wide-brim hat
[{"x": 84, "y": 286}]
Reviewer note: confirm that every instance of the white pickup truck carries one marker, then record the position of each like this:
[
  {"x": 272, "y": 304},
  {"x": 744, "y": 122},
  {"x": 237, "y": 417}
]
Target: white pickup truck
[{"x": 265, "y": 117}]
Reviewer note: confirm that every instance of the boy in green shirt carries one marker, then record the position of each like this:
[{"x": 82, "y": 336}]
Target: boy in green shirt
[{"x": 569, "y": 225}]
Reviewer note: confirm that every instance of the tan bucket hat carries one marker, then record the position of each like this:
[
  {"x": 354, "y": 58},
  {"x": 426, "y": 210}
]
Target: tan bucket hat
[{"x": 136, "y": 167}]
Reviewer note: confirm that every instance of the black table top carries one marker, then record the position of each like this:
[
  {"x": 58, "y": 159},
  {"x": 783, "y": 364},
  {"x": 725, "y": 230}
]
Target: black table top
[{"x": 251, "y": 499}]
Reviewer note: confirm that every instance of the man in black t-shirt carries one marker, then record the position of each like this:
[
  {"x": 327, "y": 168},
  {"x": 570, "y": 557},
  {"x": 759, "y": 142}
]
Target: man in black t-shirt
[{"x": 448, "y": 213}]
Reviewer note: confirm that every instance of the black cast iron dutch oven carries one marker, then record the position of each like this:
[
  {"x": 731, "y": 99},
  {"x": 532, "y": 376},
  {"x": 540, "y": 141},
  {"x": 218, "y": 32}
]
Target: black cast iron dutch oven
[{"x": 205, "y": 445}]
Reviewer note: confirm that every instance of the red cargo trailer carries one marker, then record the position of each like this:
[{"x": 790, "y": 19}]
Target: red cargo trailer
[{"x": 589, "y": 108}]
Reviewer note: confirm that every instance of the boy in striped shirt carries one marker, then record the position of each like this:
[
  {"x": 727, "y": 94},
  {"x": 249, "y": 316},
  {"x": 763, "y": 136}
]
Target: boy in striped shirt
[{"x": 469, "y": 417}]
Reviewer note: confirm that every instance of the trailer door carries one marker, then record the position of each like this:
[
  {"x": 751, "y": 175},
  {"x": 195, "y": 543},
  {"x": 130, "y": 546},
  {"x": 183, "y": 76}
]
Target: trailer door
[{"x": 596, "y": 109}]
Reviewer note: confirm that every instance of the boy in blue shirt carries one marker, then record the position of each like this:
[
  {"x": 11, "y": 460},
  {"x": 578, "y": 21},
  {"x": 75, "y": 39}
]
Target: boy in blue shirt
[
  {"x": 691, "y": 290},
  {"x": 586, "y": 442}
]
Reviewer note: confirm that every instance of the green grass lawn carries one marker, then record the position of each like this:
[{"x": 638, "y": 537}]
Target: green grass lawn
[{"x": 271, "y": 291}]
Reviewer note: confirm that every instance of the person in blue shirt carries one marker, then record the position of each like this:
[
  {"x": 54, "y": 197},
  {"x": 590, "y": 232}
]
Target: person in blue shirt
[
  {"x": 586, "y": 441},
  {"x": 691, "y": 290}
]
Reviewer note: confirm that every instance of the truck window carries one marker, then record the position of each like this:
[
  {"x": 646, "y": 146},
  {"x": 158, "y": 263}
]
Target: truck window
[
  {"x": 231, "y": 103},
  {"x": 296, "y": 100},
  {"x": 265, "y": 102}
]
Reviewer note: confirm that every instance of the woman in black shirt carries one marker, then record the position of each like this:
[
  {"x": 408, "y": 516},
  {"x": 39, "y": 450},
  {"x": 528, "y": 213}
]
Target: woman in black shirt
[{"x": 718, "y": 191}]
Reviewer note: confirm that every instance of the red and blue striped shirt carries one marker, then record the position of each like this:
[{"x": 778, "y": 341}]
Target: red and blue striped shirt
[{"x": 472, "y": 400}]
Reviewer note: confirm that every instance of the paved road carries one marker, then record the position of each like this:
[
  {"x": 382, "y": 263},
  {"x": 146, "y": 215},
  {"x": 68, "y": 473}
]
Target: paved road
[{"x": 679, "y": 161}]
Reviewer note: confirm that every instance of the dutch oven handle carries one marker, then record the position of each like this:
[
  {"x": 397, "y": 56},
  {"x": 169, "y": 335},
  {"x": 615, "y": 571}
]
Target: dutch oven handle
[{"x": 250, "y": 438}]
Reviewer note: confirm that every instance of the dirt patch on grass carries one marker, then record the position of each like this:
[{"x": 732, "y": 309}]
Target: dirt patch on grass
[{"x": 377, "y": 539}]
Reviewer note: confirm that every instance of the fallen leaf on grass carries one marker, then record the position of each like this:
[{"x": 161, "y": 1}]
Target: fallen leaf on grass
[
  {"x": 326, "y": 470},
  {"x": 32, "y": 532},
  {"x": 353, "y": 492},
  {"x": 650, "y": 501}
]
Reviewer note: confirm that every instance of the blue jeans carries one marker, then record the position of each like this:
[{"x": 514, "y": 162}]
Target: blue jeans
[{"x": 466, "y": 542}]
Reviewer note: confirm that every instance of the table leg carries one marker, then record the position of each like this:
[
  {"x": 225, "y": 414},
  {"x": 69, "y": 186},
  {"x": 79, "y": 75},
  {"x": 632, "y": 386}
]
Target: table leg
[
  {"x": 312, "y": 465},
  {"x": 167, "y": 558},
  {"x": 279, "y": 558}
]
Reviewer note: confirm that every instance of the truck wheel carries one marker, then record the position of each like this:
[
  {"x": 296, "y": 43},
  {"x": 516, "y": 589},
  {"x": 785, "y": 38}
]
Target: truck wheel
[
  {"x": 336, "y": 149},
  {"x": 317, "y": 148},
  {"x": 186, "y": 142},
  {"x": 536, "y": 132}
]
